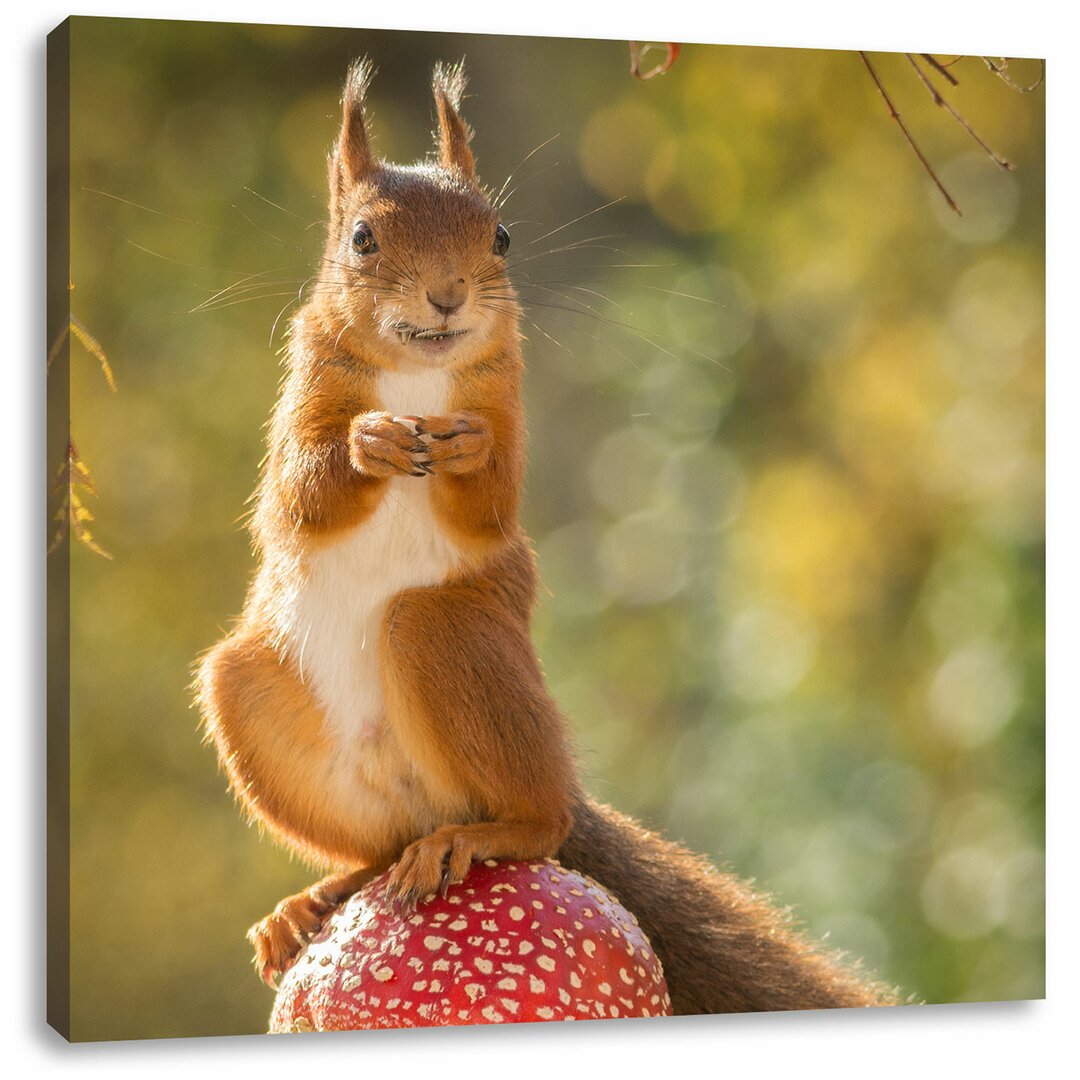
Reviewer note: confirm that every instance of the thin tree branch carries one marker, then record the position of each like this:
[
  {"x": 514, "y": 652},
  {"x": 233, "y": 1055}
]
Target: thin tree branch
[
  {"x": 940, "y": 101},
  {"x": 942, "y": 69},
  {"x": 907, "y": 134}
]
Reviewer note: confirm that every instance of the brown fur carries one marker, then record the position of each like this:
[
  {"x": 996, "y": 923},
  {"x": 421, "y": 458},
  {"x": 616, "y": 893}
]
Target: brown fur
[{"x": 472, "y": 757}]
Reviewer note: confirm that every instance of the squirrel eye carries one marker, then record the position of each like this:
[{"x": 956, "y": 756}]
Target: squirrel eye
[
  {"x": 502, "y": 240},
  {"x": 364, "y": 239}
]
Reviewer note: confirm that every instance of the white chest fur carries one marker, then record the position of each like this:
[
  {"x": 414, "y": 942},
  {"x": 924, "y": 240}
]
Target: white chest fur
[{"x": 333, "y": 628}]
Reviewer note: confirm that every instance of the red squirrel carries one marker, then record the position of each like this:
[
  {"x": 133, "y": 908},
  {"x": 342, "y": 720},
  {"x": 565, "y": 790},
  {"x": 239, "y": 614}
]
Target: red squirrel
[{"x": 380, "y": 703}]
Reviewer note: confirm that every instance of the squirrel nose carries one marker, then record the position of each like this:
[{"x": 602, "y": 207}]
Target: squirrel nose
[{"x": 449, "y": 298}]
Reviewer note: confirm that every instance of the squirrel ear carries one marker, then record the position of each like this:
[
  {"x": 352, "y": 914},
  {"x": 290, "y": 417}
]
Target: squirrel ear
[
  {"x": 352, "y": 157},
  {"x": 453, "y": 135}
]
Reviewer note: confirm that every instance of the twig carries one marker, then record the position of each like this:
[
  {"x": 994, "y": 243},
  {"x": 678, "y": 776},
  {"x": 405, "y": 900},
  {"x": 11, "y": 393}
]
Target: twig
[
  {"x": 1001, "y": 71},
  {"x": 907, "y": 134},
  {"x": 940, "y": 101},
  {"x": 942, "y": 69},
  {"x": 636, "y": 51}
]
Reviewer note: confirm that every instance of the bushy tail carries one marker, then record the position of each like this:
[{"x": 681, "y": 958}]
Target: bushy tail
[{"x": 723, "y": 948}]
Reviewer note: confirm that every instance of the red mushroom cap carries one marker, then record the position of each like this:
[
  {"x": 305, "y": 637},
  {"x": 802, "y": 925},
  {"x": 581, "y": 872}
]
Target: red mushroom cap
[{"x": 514, "y": 942}]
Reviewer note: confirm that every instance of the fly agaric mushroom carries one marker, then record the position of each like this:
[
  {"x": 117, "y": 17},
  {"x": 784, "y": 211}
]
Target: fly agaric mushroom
[{"x": 514, "y": 942}]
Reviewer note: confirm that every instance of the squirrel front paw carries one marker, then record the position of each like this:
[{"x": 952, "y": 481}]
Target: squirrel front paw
[
  {"x": 279, "y": 938},
  {"x": 381, "y": 446},
  {"x": 460, "y": 443}
]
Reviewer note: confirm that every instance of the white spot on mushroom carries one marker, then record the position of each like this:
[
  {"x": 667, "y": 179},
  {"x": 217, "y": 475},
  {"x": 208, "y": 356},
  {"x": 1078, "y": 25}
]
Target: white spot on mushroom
[
  {"x": 625, "y": 976},
  {"x": 516, "y": 913},
  {"x": 605, "y": 989},
  {"x": 433, "y": 943},
  {"x": 545, "y": 1012},
  {"x": 383, "y": 974},
  {"x": 485, "y": 967},
  {"x": 524, "y": 948},
  {"x": 475, "y": 991},
  {"x": 457, "y": 925},
  {"x": 546, "y": 962},
  {"x": 537, "y": 986},
  {"x": 575, "y": 980},
  {"x": 588, "y": 946},
  {"x": 420, "y": 985},
  {"x": 507, "y": 984},
  {"x": 491, "y": 1014},
  {"x": 509, "y": 1004}
]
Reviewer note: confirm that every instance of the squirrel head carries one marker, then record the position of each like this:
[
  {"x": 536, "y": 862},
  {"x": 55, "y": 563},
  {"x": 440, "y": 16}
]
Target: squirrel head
[{"x": 414, "y": 271}]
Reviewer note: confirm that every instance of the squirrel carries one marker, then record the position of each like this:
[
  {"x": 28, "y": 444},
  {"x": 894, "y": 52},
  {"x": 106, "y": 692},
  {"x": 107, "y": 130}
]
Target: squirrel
[{"x": 379, "y": 705}]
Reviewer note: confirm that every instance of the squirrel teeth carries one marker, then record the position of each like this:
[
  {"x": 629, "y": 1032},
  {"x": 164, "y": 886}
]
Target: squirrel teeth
[{"x": 407, "y": 334}]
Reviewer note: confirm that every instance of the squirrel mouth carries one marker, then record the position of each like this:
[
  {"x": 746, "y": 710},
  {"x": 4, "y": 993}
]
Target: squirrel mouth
[{"x": 406, "y": 332}]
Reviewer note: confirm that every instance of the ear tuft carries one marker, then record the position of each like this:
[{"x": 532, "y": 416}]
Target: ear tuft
[
  {"x": 352, "y": 154},
  {"x": 453, "y": 134}
]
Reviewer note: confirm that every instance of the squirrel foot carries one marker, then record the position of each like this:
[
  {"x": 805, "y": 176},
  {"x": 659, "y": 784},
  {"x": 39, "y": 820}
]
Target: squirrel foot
[{"x": 430, "y": 865}]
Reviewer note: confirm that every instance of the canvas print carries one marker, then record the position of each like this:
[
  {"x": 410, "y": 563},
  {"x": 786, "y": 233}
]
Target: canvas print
[{"x": 541, "y": 529}]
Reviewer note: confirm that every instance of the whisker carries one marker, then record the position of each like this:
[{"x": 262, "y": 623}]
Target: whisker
[
  {"x": 528, "y": 180},
  {"x": 238, "y": 287},
  {"x": 266, "y": 232},
  {"x": 270, "y": 202},
  {"x": 498, "y": 200},
  {"x": 582, "y": 217}
]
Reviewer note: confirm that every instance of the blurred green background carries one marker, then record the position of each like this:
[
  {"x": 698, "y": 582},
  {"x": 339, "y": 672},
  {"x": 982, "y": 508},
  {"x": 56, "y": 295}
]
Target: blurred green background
[{"x": 786, "y": 474}]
